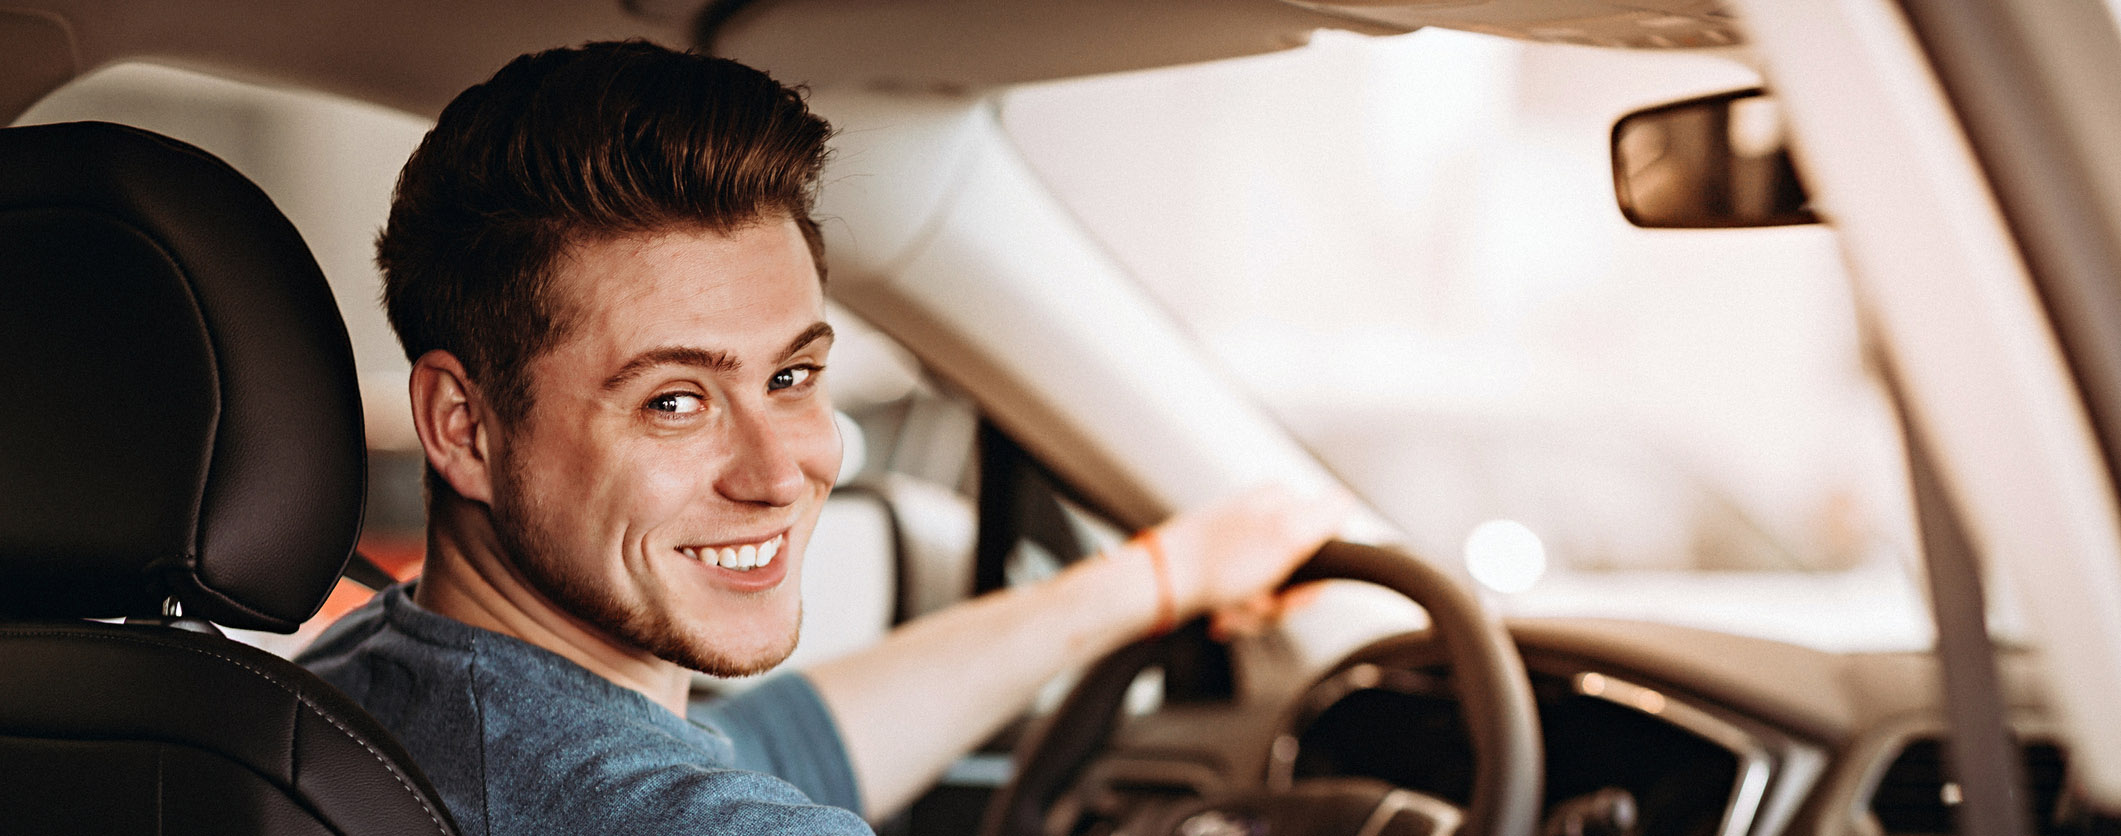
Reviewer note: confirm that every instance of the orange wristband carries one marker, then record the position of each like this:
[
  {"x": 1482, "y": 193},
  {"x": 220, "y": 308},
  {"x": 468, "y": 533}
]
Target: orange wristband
[{"x": 1166, "y": 605}]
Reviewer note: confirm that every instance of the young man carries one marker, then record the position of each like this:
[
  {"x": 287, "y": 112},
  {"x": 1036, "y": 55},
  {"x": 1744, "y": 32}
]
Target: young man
[{"x": 602, "y": 265}]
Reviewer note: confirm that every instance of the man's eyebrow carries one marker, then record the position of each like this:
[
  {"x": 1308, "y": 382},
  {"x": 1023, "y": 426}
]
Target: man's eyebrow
[
  {"x": 818, "y": 331},
  {"x": 718, "y": 362}
]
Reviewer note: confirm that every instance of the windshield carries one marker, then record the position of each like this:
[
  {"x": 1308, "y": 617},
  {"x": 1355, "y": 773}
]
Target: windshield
[{"x": 1409, "y": 250}]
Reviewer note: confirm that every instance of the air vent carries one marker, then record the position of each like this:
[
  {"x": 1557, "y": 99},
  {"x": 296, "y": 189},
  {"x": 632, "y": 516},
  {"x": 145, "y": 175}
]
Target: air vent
[{"x": 1915, "y": 796}]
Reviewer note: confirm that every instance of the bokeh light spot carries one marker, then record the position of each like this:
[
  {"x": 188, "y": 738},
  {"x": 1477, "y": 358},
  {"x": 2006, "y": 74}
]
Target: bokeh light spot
[{"x": 1505, "y": 556}]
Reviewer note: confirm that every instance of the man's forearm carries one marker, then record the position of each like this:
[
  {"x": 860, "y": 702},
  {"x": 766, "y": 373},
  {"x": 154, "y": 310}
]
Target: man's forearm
[{"x": 937, "y": 687}]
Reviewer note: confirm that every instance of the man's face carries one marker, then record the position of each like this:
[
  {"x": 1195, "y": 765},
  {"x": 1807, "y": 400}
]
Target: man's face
[{"x": 678, "y": 434}]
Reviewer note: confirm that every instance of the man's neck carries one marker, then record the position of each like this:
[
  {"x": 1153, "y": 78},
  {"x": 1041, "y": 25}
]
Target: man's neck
[{"x": 468, "y": 577}]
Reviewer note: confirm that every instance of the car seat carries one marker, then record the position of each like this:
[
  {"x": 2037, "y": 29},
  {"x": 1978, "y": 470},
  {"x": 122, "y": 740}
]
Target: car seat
[{"x": 180, "y": 446}]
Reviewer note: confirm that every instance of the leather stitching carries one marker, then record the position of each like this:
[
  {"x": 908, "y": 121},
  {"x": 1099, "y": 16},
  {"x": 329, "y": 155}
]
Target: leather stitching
[
  {"x": 161, "y": 813},
  {"x": 403, "y": 781}
]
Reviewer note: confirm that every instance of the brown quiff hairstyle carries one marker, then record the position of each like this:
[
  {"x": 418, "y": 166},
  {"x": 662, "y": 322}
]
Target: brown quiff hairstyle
[{"x": 571, "y": 146}]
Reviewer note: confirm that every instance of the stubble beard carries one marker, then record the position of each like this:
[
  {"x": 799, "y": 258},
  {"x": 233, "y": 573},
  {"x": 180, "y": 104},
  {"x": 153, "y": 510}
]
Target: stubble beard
[{"x": 520, "y": 525}]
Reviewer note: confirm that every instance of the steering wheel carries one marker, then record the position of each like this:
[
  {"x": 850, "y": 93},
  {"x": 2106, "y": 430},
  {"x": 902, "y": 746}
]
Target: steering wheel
[{"x": 1487, "y": 673}]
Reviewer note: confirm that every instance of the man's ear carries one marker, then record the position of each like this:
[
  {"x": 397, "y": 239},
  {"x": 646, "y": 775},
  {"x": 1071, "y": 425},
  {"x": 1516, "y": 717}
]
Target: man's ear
[{"x": 456, "y": 427}]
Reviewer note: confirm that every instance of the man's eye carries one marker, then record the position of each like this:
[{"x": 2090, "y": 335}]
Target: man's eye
[
  {"x": 792, "y": 377},
  {"x": 677, "y": 403}
]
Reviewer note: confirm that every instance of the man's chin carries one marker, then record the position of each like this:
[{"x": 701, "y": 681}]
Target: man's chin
[
  {"x": 652, "y": 629},
  {"x": 704, "y": 653},
  {"x": 724, "y": 663}
]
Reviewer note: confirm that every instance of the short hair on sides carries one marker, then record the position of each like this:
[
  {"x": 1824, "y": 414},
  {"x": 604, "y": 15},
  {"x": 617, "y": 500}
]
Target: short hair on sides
[{"x": 571, "y": 146}]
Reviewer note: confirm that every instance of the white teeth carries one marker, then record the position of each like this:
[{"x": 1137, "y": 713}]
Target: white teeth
[{"x": 739, "y": 558}]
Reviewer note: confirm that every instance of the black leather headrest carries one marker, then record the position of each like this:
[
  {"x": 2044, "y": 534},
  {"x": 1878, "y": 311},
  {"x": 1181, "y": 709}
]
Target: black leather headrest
[{"x": 178, "y": 407}]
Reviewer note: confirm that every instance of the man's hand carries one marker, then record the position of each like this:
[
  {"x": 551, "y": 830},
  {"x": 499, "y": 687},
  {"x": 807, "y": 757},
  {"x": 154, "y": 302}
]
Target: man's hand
[{"x": 1227, "y": 558}]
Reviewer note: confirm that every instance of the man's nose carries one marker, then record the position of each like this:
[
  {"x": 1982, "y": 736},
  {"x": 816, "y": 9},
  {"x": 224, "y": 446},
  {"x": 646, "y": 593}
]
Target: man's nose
[{"x": 761, "y": 467}]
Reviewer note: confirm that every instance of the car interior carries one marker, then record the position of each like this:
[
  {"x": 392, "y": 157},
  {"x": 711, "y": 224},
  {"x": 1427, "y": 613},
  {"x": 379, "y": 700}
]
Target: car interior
[{"x": 1729, "y": 386}]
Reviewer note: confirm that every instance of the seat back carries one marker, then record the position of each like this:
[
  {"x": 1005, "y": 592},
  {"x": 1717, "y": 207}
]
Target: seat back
[{"x": 180, "y": 446}]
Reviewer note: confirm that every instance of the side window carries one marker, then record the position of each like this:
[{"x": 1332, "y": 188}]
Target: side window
[{"x": 1029, "y": 531}]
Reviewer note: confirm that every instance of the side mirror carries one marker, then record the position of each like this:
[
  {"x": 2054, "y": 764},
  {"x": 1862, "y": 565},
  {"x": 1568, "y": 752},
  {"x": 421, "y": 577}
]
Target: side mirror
[{"x": 1715, "y": 161}]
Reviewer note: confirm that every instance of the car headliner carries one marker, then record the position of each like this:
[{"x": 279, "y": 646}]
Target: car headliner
[{"x": 416, "y": 55}]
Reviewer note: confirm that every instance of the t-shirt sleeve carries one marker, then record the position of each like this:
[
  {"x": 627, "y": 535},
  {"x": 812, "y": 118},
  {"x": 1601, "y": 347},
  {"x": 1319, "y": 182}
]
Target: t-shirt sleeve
[{"x": 783, "y": 728}]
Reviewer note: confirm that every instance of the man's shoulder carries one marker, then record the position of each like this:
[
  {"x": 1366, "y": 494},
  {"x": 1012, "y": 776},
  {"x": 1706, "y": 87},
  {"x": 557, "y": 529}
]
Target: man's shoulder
[
  {"x": 384, "y": 640},
  {"x": 607, "y": 771},
  {"x": 418, "y": 685},
  {"x": 559, "y": 750},
  {"x": 520, "y": 740},
  {"x": 424, "y": 674}
]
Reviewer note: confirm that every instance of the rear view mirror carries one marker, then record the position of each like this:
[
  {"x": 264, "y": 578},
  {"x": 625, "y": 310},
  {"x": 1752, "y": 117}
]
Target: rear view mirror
[{"x": 1716, "y": 161}]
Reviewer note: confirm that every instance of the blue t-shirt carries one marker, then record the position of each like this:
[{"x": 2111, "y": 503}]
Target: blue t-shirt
[{"x": 519, "y": 740}]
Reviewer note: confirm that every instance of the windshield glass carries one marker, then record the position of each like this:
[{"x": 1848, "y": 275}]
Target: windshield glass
[{"x": 1409, "y": 250}]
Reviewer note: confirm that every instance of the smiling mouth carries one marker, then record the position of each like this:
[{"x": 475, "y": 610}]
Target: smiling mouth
[{"x": 742, "y": 558}]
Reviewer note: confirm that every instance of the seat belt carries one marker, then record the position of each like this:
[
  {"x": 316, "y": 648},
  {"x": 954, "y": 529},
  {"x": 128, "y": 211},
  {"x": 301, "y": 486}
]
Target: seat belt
[
  {"x": 1984, "y": 758},
  {"x": 361, "y": 570}
]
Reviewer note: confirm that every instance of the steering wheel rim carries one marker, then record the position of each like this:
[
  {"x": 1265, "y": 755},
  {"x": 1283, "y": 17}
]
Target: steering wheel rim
[{"x": 1488, "y": 675}]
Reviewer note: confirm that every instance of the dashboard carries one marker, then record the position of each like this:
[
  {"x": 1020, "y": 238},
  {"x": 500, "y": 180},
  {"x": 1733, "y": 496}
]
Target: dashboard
[
  {"x": 1621, "y": 757},
  {"x": 1650, "y": 730}
]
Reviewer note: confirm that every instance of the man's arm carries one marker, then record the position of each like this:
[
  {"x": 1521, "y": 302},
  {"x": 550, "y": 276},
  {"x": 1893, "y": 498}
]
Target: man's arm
[{"x": 935, "y": 688}]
